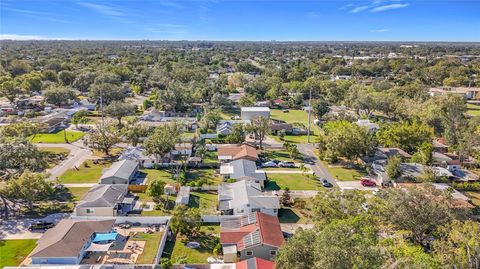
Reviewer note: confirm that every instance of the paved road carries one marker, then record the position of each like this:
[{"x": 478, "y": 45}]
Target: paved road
[
  {"x": 317, "y": 167},
  {"x": 78, "y": 154}
]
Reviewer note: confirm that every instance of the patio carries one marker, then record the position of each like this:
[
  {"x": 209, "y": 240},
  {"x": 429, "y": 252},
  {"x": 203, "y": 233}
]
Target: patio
[{"x": 127, "y": 248}]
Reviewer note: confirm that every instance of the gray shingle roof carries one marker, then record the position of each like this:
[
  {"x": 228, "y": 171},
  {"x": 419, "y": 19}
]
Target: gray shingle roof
[
  {"x": 121, "y": 169},
  {"x": 241, "y": 193},
  {"x": 246, "y": 168},
  {"x": 104, "y": 195}
]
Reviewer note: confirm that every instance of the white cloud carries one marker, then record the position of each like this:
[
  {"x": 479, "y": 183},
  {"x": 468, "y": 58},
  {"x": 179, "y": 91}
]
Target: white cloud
[
  {"x": 104, "y": 9},
  {"x": 379, "y": 30},
  {"x": 313, "y": 14},
  {"x": 389, "y": 7},
  {"x": 358, "y": 9},
  {"x": 21, "y": 37}
]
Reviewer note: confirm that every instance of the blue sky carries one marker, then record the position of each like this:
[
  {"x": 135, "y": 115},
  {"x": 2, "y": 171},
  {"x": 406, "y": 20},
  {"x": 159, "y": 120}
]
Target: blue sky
[{"x": 375, "y": 20}]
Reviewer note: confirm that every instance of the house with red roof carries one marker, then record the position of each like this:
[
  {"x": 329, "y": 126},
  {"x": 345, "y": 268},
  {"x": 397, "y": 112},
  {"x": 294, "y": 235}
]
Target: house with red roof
[
  {"x": 256, "y": 235},
  {"x": 255, "y": 263},
  {"x": 232, "y": 152}
]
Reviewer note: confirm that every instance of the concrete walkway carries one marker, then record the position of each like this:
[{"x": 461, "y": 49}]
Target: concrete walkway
[
  {"x": 79, "y": 185},
  {"x": 78, "y": 154}
]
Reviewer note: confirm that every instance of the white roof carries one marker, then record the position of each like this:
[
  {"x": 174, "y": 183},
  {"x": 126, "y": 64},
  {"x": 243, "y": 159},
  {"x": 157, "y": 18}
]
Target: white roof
[
  {"x": 226, "y": 169},
  {"x": 456, "y": 194},
  {"x": 255, "y": 109}
]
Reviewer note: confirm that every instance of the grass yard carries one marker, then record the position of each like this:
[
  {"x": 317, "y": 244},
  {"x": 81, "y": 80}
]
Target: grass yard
[
  {"x": 300, "y": 212},
  {"x": 55, "y": 150},
  {"x": 179, "y": 253},
  {"x": 205, "y": 201},
  {"x": 295, "y": 116},
  {"x": 228, "y": 113},
  {"x": 113, "y": 152},
  {"x": 57, "y": 137},
  {"x": 475, "y": 196},
  {"x": 473, "y": 110},
  {"x": 151, "y": 246},
  {"x": 204, "y": 176},
  {"x": 292, "y": 181},
  {"x": 344, "y": 174},
  {"x": 161, "y": 174},
  {"x": 84, "y": 174},
  {"x": 210, "y": 157},
  {"x": 281, "y": 155},
  {"x": 13, "y": 252},
  {"x": 77, "y": 193}
]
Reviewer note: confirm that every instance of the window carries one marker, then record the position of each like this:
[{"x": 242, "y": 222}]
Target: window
[
  {"x": 274, "y": 210},
  {"x": 90, "y": 211},
  {"x": 249, "y": 253},
  {"x": 273, "y": 252}
]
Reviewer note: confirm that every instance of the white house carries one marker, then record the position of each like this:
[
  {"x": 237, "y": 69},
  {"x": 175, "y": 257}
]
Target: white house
[{"x": 249, "y": 113}]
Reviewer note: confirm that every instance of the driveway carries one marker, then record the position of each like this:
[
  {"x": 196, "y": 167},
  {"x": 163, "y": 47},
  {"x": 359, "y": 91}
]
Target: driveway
[
  {"x": 317, "y": 167},
  {"x": 78, "y": 154},
  {"x": 354, "y": 185},
  {"x": 18, "y": 228}
]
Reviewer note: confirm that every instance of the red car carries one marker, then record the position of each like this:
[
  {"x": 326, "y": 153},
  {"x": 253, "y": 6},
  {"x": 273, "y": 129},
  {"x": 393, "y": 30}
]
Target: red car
[{"x": 368, "y": 183}]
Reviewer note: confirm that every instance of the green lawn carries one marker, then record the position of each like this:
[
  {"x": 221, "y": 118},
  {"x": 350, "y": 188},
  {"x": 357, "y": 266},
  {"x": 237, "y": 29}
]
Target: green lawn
[
  {"x": 55, "y": 150},
  {"x": 195, "y": 177},
  {"x": 13, "y": 252},
  {"x": 179, "y": 253},
  {"x": 151, "y": 246},
  {"x": 295, "y": 116},
  {"x": 300, "y": 212},
  {"x": 281, "y": 155},
  {"x": 344, "y": 174},
  {"x": 475, "y": 196},
  {"x": 206, "y": 201},
  {"x": 473, "y": 110},
  {"x": 57, "y": 137},
  {"x": 292, "y": 181},
  {"x": 77, "y": 193},
  {"x": 84, "y": 174},
  {"x": 210, "y": 157},
  {"x": 161, "y": 174}
]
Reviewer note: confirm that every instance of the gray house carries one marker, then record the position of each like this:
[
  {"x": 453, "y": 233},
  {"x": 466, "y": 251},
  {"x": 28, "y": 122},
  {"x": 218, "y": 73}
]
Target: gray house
[
  {"x": 106, "y": 200},
  {"x": 121, "y": 172},
  {"x": 244, "y": 197},
  {"x": 254, "y": 235},
  {"x": 69, "y": 241},
  {"x": 239, "y": 169},
  {"x": 249, "y": 113}
]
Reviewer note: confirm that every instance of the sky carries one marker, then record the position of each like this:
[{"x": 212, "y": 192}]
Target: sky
[{"x": 235, "y": 20}]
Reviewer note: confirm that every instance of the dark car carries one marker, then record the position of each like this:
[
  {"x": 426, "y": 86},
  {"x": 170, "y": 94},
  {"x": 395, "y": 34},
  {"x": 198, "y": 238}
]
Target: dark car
[
  {"x": 40, "y": 225},
  {"x": 327, "y": 184}
]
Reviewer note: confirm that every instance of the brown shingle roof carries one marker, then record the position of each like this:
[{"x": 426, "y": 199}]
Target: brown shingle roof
[
  {"x": 68, "y": 237},
  {"x": 238, "y": 152}
]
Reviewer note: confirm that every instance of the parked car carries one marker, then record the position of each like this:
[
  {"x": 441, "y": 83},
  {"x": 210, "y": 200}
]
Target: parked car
[
  {"x": 327, "y": 184},
  {"x": 40, "y": 225},
  {"x": 269, "y": 164},
  {"x": 368, "y": 183},
  {"x": 287, "y": 164}
]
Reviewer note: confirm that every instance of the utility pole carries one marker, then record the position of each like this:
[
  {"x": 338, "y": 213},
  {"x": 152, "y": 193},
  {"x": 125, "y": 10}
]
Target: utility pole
[{"x": 309, "y": 112}]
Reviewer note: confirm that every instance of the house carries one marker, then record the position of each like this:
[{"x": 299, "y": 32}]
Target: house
[
  {"x": 459, "y": 200},
  {"x": 256, "y": 235},
  {"x": 242, "y": 168},
  {"x": 371, "y": 127},
  {"x": 224, "y": 128},
  {"x": 249, "y": 113},
  {"x": 106, "y": 200},
  {"x": 468, "y": 93},
  {"x": 138, "y": 154},
  {"x": 121, "y": 172},
  {"x": 255, "y": 263},
  {"x": 415, "y": 170},
  {"x": 69, "y": 241},
  {"x": 234, "y": 152},
  {"x": 183, "y": 196},
  {"x": 263, "y": 103},
  {"x": 185, "y": 149},
  {"x": 277, "y": 127},
  {"x": 244, "y": 197},
  {"x": 439, "y": 145}
]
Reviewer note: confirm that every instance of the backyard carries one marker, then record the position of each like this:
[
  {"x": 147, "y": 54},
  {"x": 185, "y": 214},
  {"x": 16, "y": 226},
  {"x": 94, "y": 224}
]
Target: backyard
[
  {"x": 58, "y": 137},
  {"x": 179, "y": 253},
  {"x": 300, "y": 212},
  {"x": 88, "y": 172},
  {"x": 295, "y": 116},
  {"x": 152, "y": 241},
  {"x": 473, "y": 110},
  {"x": 205, "y": 201},
  {"x": 292, "y": 181},
  {"x": 342, "y": 173},
  {"x": 13, "y": 252},
  {"x": 196, "y": 177}
]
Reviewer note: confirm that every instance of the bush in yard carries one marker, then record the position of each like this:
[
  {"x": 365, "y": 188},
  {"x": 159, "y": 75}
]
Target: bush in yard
[{"x": 186, "y": 221}]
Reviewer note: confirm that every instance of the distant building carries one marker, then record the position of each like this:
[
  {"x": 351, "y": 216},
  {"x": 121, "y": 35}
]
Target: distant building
[
  {"x": 249, "y": 113},
  {"x": 371, "y": 127},
  {"x": 183, "y": 196},
  {"x": 468, "y": 93}
]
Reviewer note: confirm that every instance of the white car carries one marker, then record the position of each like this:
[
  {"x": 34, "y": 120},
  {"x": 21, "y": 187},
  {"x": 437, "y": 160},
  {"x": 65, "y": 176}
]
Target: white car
[{"x": 269, "y": 164}]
